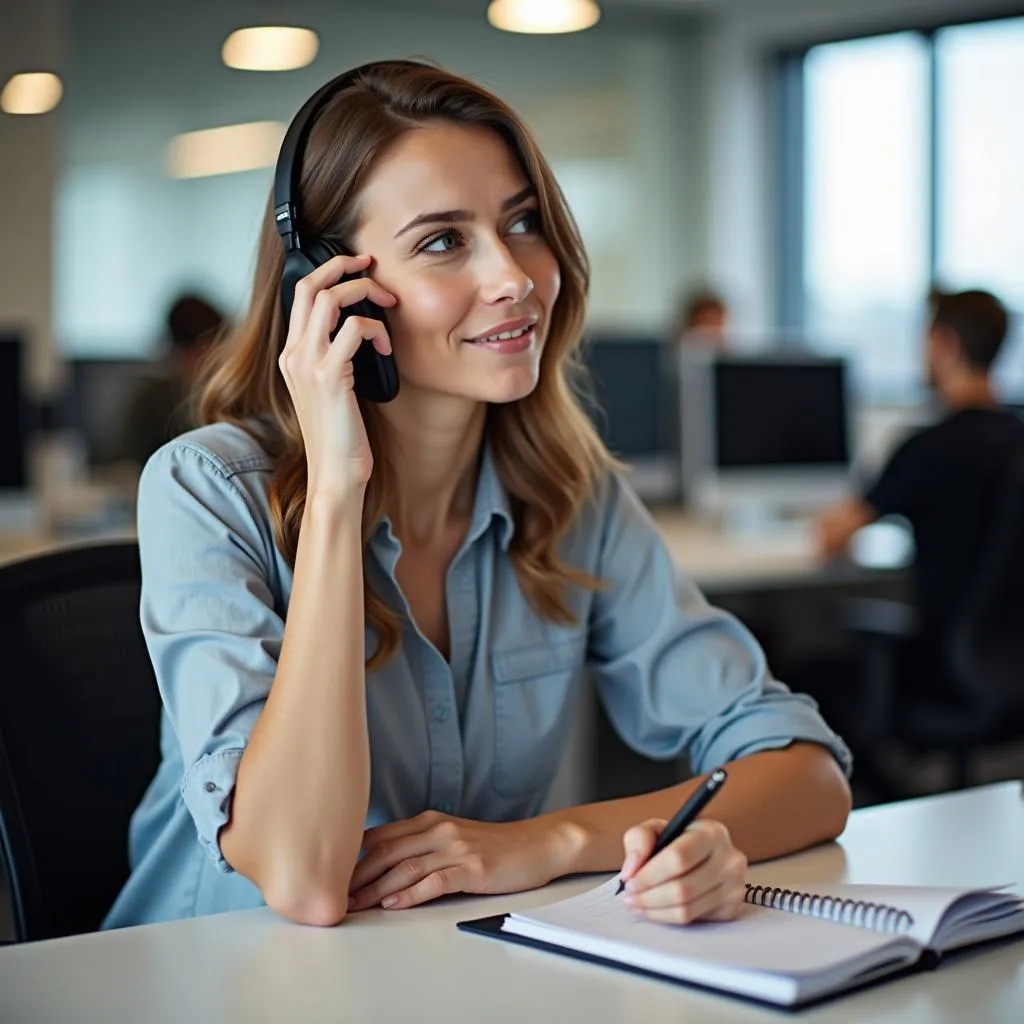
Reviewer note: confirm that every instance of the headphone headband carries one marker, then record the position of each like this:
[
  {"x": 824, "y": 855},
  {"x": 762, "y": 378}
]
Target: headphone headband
[{"x": 289, "y": 159}]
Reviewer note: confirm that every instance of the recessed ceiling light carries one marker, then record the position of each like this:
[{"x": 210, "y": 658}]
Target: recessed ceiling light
[
  {"x": 543, "y": 16},
  {"x": 32, "y": 92},
  {"x": 270, "y": 48},
  {"x": 234, "y": 147}
]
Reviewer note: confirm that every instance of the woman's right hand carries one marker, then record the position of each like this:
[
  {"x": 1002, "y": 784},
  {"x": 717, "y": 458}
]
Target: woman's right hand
[{"x": 320, "y": 377}]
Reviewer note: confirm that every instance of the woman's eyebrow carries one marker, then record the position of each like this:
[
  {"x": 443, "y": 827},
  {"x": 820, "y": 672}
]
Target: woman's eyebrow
[{"x": 456, "y": 216}]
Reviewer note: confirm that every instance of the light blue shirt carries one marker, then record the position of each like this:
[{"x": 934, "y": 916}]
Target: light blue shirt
[{"x": 480, "y": 736}]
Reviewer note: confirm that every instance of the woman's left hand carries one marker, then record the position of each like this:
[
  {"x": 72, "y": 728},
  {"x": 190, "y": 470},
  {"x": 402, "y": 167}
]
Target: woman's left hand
[
  {"x": 699, "y": 877},
  {"x": 412, "y": 861}
]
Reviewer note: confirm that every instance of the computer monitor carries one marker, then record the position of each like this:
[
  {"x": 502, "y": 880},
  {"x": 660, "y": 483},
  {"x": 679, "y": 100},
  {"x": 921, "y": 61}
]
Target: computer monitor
[
  {"x": 96, "y": 400},
  {"x": 764, "y": 434},
  {"x": 18, "y": 503},
  {"x": 14, "y": 415},
  {"x": 636, "y": 401}
]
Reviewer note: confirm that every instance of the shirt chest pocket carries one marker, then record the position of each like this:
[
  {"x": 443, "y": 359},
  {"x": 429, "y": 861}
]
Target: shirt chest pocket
[{"x": 536, "y": 693}]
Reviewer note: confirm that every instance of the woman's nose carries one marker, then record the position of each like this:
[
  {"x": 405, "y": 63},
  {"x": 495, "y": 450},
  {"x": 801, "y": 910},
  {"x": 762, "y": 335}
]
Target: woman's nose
[{"x": 504, "y": 279}]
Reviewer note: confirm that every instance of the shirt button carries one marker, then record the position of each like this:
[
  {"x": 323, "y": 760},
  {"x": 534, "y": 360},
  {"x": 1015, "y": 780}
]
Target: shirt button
[
  {"x": 211, "y": 787},
  {"x": 440, "y": 713},
  {"x": 445, "y": 808}
]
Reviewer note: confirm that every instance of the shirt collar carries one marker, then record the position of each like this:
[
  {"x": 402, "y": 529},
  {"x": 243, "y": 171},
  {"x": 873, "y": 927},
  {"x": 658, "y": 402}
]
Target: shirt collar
[{"x": 491, "y": 502}]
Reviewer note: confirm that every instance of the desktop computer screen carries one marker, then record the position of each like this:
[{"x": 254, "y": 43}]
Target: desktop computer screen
[
  {"x": 14, "y": 415},
  {"x": 770, "y": 430},
  {"x": 636, "y": 412},
  {"x": 96, "y": 401},
  {"x": 770, "y": 414}
]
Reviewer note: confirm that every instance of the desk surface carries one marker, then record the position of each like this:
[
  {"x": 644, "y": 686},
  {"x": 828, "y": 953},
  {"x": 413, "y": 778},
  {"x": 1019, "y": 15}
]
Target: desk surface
[
  {"x": 713, "y": 557},
  {"x": 250, "y": 967},
  {"x": 782, "y": 557}
]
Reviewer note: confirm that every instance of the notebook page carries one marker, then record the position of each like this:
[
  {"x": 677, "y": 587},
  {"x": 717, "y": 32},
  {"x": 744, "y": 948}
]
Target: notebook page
[{"x": 759, "y": 942}]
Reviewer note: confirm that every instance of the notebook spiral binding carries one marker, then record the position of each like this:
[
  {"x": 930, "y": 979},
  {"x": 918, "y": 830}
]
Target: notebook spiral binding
[{"x": 860, "y": 913}]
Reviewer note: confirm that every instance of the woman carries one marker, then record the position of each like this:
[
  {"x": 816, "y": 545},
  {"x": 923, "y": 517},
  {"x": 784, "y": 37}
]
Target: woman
[{"x": 471, "y": 537}]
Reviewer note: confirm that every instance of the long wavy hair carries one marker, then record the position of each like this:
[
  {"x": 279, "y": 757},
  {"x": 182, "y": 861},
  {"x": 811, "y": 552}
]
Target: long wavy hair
[{"x": 546, "y": 451}]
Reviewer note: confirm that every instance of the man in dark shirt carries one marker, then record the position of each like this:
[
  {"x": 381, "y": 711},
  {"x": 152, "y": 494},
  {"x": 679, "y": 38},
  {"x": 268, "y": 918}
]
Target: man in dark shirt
[{"x": 945, "y": 480}]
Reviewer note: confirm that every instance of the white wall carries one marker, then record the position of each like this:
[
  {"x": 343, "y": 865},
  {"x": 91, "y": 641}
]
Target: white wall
[
  {"x": 612, "y": 109},
  {"x": 28, "y": 146}
]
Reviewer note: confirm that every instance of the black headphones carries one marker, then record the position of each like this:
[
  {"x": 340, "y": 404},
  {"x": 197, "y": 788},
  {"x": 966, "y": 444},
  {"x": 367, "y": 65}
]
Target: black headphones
[{"x": 376, "y": 377}]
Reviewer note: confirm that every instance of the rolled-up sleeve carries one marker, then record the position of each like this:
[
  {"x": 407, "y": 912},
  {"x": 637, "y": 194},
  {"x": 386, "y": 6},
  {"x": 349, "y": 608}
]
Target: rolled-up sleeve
[
  {"x": 676, "y": 675},
  {"x": 209, "y": 620}
]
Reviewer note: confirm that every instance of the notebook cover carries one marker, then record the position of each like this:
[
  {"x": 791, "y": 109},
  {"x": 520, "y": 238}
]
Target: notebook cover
[{"x": 491, "y": 927}]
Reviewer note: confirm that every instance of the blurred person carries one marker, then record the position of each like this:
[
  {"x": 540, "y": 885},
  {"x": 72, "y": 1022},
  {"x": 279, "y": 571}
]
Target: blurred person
[
  {"x": 945, "y": 479},
  {"x": 703, "y": 319},
  {"x": 159, "y": 407},
  {"x": 369, "y": 620}
]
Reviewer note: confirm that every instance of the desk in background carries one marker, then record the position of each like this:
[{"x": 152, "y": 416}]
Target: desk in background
[
  {"x": 779, "y": 587},
  {"x": 720, "y": 562},
  {"x": 251, "y": 967}
]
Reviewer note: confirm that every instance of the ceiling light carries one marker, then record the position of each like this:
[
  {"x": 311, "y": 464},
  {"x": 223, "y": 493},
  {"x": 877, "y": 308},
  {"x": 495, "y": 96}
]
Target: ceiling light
[
  {"x": 33, "y": 92},
  {"x": 235, "y": 147},
  {"x": 270, "y": 48},
  {"x": 543, "y": 16}
]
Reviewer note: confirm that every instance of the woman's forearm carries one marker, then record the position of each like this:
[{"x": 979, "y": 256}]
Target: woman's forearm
[
  {"x": 776, "y": 802},
  {"x": 301, "y": 796}
]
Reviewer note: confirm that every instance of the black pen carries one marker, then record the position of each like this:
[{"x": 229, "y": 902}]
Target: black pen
[{"x": 686, "y": 815}]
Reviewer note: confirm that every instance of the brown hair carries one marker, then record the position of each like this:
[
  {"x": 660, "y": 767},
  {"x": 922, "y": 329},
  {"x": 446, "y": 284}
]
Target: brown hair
[
  {"x": 546, "y": 451},
  {"x": 694, "y": 304},
  {"x": 978, "y": 319}
]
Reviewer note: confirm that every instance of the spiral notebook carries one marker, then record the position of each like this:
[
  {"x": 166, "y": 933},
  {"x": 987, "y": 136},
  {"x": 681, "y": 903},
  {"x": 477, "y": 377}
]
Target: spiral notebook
[{"x": 786, "y": 948}]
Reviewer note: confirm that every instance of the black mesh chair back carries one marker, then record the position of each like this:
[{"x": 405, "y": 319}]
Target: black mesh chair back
[{"x": 79, "y": 732}]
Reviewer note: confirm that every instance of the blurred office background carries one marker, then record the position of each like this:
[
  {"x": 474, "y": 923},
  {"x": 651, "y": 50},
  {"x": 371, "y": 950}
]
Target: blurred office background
[{"x": 819, "y": 163}]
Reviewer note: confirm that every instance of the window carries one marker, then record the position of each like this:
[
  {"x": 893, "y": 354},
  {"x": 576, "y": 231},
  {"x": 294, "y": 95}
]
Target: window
[
  {"x": 910, "y": 160},
  {"x": 865, "y": 235},
  {"x": 980, "y": 169}
]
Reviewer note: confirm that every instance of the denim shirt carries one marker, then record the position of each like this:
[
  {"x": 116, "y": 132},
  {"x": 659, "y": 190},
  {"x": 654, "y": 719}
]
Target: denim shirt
[{"x": 478, "y": 736}]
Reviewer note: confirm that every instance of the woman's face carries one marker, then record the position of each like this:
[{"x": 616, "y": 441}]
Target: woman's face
[{"x": 453, "y": 227}]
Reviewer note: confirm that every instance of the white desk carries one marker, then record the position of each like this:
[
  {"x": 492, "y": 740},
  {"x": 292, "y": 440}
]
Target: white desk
[
  {"x": 252, "y": 967},
  {"x": 716, "y": 558},
  {"x": 779, "y": 558}
]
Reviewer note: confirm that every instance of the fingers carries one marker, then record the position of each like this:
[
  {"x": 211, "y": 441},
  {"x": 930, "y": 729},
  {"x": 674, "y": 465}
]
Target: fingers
[
  {"x": 383, "y": 857},
  {"x": 414, "y": 880},
  {"x": 724, "y": 866},
  {"x": 416, "y": 860},
  {"x": 324, "y": 276},
  {"x": 713, "y": 889},
  {"x": 327, "y": 309},
  {"x": 320, "y": 296},
  {"x": 396, "y": 829},
  {"x": 638, "y": 844},
  {"x": 307, "y": 288},
  {"x": 438, "y": 883},
  {"x": 353, "y": 333},
  {"x": 722, "y": 903},
  {"x": 689, "y": 851}
]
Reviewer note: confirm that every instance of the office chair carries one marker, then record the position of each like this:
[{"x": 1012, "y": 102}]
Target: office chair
[
  {"x": 79, "y": 733},
  {"x": 982, "y": 660}
]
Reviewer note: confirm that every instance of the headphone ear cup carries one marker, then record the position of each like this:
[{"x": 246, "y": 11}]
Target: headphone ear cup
[
  {"x": 321, "y": 250},
  {"x": 296, "y": 266}
]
